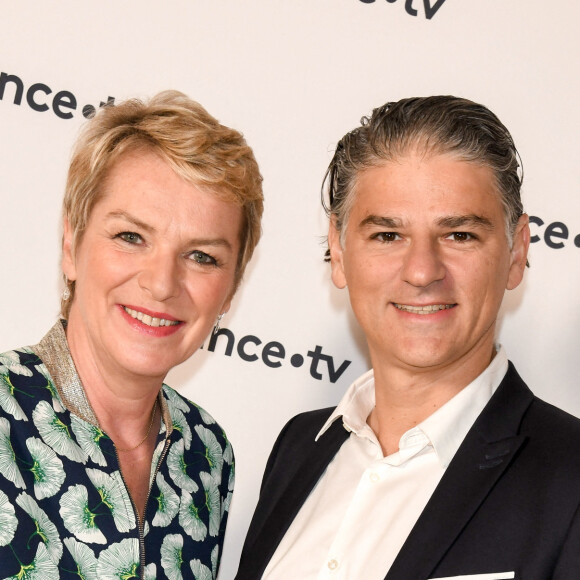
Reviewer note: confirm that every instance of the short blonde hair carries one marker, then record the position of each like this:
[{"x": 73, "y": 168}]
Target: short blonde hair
[{"x": 201, "y": 150}]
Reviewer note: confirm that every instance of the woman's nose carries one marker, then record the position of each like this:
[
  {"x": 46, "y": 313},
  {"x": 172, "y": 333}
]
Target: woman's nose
[{"x": 160, "y": 276}]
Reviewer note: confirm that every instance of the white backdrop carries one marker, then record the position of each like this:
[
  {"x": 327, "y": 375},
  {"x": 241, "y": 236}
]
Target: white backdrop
[{"x": 294, "y": 77}]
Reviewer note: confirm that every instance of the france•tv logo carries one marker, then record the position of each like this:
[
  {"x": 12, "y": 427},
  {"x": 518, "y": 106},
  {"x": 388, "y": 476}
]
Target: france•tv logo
[{"x": 431, "y": 7}]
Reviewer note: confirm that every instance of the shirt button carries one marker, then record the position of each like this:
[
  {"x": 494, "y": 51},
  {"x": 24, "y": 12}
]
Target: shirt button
[
  {"x": 374, "y": 477},
  {"x": 332, "y": 564}
]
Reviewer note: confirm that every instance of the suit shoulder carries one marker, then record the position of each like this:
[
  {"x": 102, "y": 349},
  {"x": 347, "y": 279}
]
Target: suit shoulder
[{"x": 553, "y": 421}]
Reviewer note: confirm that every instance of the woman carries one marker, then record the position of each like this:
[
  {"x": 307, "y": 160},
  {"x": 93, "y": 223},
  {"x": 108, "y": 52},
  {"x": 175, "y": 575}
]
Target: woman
[{"x": 105, "y": 472}]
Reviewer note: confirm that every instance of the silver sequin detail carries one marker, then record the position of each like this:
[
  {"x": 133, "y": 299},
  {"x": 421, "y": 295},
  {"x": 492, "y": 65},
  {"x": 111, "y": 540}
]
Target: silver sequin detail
[{"x": 54, "y": 352}]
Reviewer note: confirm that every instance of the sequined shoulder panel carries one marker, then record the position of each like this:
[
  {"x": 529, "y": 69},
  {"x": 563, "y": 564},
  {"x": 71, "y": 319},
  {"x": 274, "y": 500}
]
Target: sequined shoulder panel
[{"x": 54, "y": 352}]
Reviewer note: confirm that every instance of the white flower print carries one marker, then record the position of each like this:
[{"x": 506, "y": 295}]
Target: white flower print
[
  {"x": 119, "y": 561},
  {"x": 228, "y": 452},
  {"x": 7, "y": 400},
  {"x": 88, "y": 437},
  {"x": 77, "y": 517},
  {"x": 215, "y": 559},
  {"x": 44, "y": 526},
  {"x": 41, "y": 568},
  {"x": 56, "y": 402},
  {"x": 212, "y": 502},
  {"x": 226, "y": 504},
  {"x": 213, "y": 450},
  {"x": 8, "y": 467},
  {"x": 200, "y": 571},
  {"x": 114, "y": 495},
  {"x": 178, "y": 468},
  {"x": 180, "y": 423},
  {"x": 47, "y": 468},
  {"x": 10, "y": 362},
  {"x": 205, "y": 416},
  {"x": 231, "y": 479},
  {"x": 157, "y": 452},
  {"x": 55, "y": 433},
  {"x": 8, "y": 521},
  {"x": 174, "y": 400},
  {"x": 167, "y": 503},
  {"x": 172, "y": 557},
  {"x": 189, "y": 518},
  {"x": 84, "y": 558}
]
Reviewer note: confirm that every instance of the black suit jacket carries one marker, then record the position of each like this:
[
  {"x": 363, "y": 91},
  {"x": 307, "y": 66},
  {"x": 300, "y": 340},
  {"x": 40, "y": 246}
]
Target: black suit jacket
[{"x": 509, "y": 500}]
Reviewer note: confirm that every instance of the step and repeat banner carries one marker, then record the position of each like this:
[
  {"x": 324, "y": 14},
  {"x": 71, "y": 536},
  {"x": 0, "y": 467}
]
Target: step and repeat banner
[{"x": 293, "y": 77}]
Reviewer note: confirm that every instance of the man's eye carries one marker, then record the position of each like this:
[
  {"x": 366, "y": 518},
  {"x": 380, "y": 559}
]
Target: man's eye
[
  {"x": 130, "y": 237},
  {"x": 202, "y": 258},
  {"x": 387, "y": 236},
  {"x": 461, "y": 236}
]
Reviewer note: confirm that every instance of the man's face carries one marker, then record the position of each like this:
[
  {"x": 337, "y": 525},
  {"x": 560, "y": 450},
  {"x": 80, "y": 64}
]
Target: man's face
[{"x": 426, "y": 261}]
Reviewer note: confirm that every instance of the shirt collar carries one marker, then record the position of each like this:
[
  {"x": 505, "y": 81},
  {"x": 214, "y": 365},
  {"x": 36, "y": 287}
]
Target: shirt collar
[{"x": 446, "y": 428}]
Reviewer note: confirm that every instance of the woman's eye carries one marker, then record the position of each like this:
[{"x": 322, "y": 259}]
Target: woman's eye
[
  {"x": 202, "y": 258},
  {"x": 130, "y": 237}
]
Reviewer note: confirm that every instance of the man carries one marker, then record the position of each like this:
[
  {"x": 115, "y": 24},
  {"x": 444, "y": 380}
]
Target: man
[{"x": 439, "y": 462}]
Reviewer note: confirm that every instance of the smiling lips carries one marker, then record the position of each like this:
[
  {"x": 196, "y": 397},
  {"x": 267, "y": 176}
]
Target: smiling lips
[
  {"x": 149, "y": 320},
  {"x": 427, "y": 309}
]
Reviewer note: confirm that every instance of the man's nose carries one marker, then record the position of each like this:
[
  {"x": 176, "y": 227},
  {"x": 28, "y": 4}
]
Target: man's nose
[{"x": 423, "y": 263}]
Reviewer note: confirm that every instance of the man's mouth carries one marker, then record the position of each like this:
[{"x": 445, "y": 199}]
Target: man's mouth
[
  {"x": 427, "y": 309},
  {"x": 149, "y": 320}
]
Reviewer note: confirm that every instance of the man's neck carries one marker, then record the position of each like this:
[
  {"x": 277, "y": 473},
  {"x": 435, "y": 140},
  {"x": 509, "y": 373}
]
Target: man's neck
[{"x": 404, "y": 396}]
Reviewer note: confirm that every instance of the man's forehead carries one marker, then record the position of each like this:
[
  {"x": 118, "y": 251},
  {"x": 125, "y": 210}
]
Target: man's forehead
[
  {"x": 409, "y": 164},
  {"x": 396, "y": 190}
]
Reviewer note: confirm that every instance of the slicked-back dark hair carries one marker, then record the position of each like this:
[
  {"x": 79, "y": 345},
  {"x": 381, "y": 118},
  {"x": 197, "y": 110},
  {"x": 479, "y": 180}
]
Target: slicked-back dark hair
[{"x": 438, "y": 124}]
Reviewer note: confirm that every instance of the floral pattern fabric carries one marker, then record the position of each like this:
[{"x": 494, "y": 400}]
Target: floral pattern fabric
[{"x": 65, "y": 511}]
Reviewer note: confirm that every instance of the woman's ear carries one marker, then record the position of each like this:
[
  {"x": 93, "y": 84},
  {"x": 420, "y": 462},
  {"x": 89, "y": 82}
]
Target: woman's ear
[{"x": 68, "y": 261}]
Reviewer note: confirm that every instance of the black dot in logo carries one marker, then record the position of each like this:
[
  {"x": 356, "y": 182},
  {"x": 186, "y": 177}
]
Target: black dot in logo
[
  {"x": 89, "y": 111},
  {"x": 577, "y": 241},
  {"x": 297, "y": 360}
]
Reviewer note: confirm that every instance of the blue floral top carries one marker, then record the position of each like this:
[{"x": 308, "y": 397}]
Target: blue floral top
[{"x": 65, "y": 511}]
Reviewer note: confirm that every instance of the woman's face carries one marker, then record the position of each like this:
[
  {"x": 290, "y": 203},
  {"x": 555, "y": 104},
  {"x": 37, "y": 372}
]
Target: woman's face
[{"x": 154, "y": 268}]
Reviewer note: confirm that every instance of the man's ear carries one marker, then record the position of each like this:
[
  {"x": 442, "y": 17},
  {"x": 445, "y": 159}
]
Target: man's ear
[
  {"x": 336, "y": 255},
  {"x": 519, "y": 252},
  {"x": 68, "y": 260}
]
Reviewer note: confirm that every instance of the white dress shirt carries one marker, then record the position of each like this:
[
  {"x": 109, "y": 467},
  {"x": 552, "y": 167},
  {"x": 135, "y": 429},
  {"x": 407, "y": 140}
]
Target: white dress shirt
[{"x": 363, "y": 507}]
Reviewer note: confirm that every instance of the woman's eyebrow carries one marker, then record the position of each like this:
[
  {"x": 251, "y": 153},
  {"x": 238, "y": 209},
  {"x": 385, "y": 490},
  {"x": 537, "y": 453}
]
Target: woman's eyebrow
[
  {"x": 216, "y": 242},
  {"x": 119, "y": 214}
]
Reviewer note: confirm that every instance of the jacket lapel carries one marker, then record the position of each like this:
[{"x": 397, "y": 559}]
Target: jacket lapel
[
  {"x": 480, "y": 461},
  {"x": 275, "y": 514}
]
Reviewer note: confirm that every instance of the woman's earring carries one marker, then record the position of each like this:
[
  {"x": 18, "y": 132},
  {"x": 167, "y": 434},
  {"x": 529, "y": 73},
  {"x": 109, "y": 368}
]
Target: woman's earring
[
  {"x": 216, "y": 328},
  {"x": 66, "y": 291}
]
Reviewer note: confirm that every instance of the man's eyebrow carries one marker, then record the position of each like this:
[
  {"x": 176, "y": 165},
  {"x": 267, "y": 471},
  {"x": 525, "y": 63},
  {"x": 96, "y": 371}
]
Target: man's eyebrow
[
  {"x": 381, "y": 221},
  {"x": 216, "y": 242},
  {"x": 470, "y": 220}
]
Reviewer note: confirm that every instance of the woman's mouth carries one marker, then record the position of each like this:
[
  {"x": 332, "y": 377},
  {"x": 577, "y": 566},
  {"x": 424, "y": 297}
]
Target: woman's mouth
[{"x": 150, "y": 320}]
